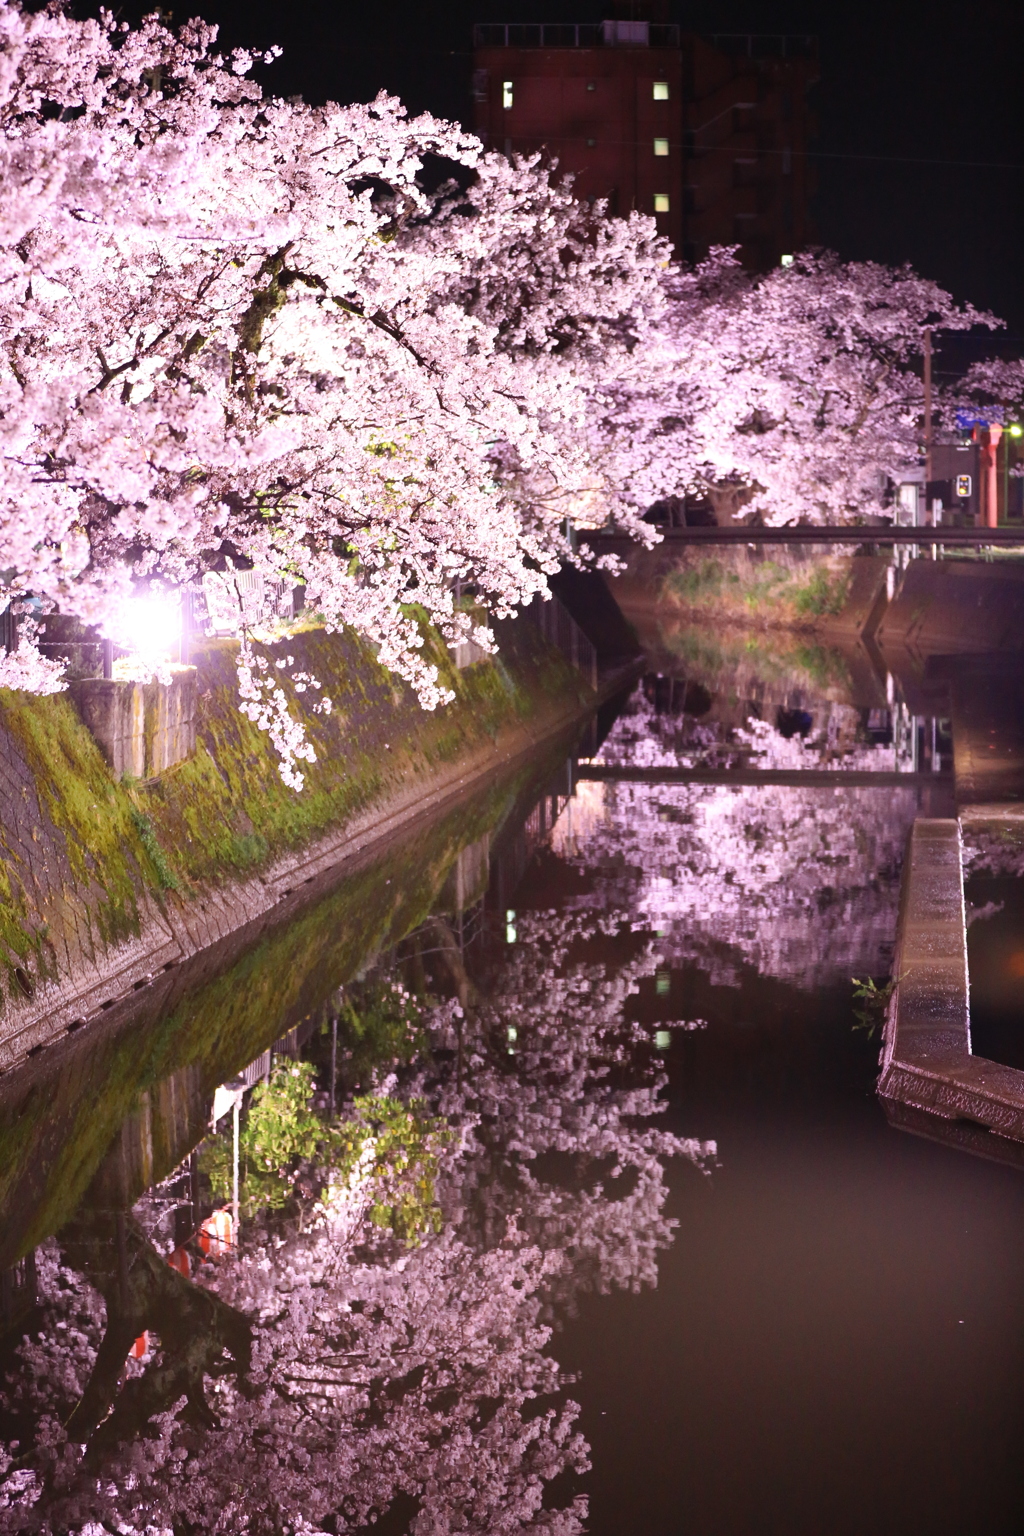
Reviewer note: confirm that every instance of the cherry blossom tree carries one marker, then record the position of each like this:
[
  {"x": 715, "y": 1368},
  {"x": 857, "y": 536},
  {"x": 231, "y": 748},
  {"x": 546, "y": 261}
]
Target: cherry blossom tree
[
  {"x": 796, "y": 392},
  {"x": 234, "y": 324},
  {"x": 359, "y": 353}
]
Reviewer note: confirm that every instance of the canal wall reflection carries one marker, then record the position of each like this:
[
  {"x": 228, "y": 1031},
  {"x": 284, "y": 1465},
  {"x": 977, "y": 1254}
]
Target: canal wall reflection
[{"x": 151, "y": 1066}]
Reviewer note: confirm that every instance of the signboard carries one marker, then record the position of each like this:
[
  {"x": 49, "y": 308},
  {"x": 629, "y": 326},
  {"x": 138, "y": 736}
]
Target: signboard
[
  {"x": 963, "y": 487},
  {"x": 966, "y": 420}
]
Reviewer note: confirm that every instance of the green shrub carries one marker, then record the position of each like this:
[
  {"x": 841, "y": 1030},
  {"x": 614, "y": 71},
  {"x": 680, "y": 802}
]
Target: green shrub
[
  {"x": 282, "y": 1142},
  {"x": 824, "y": 594}
]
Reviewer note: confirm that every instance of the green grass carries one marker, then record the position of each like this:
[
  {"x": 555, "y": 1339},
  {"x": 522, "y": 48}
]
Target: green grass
[
  {"x": 766, "y": 590},
  {"x": 823, "y": 595}
]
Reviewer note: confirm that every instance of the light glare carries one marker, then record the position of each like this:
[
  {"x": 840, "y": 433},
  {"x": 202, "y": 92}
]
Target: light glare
[{"x": 150, "y": 625}]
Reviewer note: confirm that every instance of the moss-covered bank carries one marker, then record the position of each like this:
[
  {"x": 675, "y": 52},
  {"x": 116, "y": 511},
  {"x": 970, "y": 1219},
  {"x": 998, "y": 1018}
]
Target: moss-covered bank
[
  {"x": 94, "y": 872},
  {"x": 145, "y": 1077}
]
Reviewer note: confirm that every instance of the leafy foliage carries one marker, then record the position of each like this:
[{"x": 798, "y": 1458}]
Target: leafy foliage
[
  {"x": 286, "y": 1151},
  {"x": 382, "y": 1024},
  {"x": 870, "y": 1004}
]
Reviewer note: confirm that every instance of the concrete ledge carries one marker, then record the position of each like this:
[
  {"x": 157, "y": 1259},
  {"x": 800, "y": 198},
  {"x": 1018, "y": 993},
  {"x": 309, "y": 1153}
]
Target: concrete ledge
[{"x": 927, "y": 1064}]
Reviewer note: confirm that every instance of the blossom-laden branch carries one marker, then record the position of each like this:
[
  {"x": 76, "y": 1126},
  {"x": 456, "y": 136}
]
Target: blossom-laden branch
[{"x": 232, "y": 325}]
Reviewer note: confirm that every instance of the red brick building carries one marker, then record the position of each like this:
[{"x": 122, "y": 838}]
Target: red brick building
[{"x": 709, "y": 134}]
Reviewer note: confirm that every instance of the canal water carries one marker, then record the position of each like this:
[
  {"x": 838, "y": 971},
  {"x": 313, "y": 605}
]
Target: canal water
[{"x": 563, "y": 1201}]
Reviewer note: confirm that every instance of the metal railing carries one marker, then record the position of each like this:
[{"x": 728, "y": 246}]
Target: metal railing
[
  {"x": 766, "y": 45},
  {"x": 574, "y": 34},
  {"x": 225, "y": 601},
  {"x": 257, "y": 1070}
]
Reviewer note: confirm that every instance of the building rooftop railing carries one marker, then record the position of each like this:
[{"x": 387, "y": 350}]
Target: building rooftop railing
[
  {"x": 766, "y": 45},
  {"x": 574, "y": 34}
]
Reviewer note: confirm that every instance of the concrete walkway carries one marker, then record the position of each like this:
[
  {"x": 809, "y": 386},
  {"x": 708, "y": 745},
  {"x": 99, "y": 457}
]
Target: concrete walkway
[{"x": 927, "y": 1063}]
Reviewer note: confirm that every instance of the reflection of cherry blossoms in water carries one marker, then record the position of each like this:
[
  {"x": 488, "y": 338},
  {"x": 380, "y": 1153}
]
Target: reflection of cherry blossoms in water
[
  {"x": 330, "y": 1374},
  {"x": 561, "y": 1092},
  {"x": 994, "y": 850},
  {"x": 802, "y": 884}
]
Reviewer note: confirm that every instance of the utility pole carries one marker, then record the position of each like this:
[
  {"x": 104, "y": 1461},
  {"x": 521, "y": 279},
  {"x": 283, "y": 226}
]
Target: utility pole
[
  {"x": 928, "y": 417},
  {"x": 234, "y": 1170},
  {"x": 334, "y": 1062},
  {"x": 991, "y": 461}
]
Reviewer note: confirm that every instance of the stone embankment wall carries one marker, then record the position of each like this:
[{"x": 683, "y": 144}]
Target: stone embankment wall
[
  {"x": 150, "y": 1064},
  {"x": 106, "y": 880},
  {"x": 953, "y": 606},
  {"x": 140, "y": 728}
]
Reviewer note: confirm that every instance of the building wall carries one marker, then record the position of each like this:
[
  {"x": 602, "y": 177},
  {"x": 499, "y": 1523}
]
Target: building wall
[
  {"x": 726, "y": 149},
  {"x": 593, "y": 110},
  {"x": 748, "y": 178}
]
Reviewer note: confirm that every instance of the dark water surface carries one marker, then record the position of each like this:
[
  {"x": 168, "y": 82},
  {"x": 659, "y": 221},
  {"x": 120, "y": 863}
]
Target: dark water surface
[
  {"x": 584, "y": 1217},
  {"x": 835, "y": 1342}
]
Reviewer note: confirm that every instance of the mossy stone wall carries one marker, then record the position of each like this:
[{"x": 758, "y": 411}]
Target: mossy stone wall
[{"x": 90, "y": 863}]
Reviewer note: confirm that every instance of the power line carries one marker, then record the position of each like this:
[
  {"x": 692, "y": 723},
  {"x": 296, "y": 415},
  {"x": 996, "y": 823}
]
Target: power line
[{"x": 701, "y": 151}]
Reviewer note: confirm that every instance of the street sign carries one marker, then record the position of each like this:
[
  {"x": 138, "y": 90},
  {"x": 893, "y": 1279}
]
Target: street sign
[{"x": 967, "y": 419}]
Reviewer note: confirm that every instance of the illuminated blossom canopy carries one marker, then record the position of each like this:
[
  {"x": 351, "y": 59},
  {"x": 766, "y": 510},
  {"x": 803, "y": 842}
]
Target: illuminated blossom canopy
[
  {"x": 361, "y": 354},
  {"x": 799, "y": 389},
  {"x": 232, "y": 323}
]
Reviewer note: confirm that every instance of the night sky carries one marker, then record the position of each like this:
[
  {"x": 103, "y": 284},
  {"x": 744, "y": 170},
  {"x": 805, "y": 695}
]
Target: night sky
[{"x": 921, "y": 152}]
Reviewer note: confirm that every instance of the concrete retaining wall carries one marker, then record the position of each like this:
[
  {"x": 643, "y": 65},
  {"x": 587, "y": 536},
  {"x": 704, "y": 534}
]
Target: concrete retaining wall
[
  {"x": 142, "y": 729},
  {"x": 927, "y": 1063},
  {"x": 105, "y": 883},
  {"x": 953, "y": 606}
]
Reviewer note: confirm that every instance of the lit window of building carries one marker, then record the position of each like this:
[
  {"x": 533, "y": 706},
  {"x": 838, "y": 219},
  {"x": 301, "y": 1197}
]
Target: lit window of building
[{"x": 726, "y": 119}]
